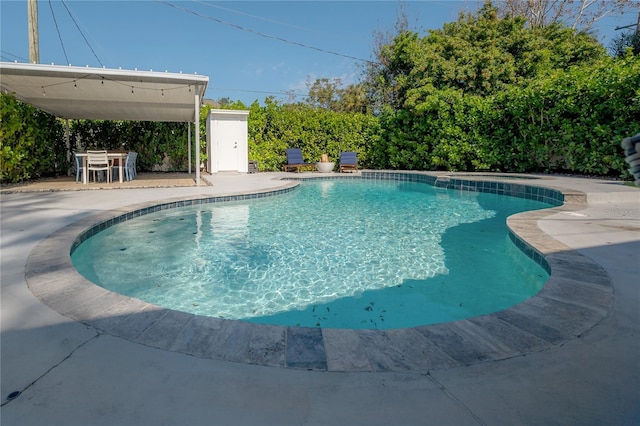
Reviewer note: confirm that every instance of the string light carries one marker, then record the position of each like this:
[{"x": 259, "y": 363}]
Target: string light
[{"x": 114, "y": 81}]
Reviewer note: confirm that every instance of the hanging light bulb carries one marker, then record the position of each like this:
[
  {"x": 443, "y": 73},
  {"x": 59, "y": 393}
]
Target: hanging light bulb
[
  {"x": 75, "y": 85},
  {"x": 43, "y": 92}
]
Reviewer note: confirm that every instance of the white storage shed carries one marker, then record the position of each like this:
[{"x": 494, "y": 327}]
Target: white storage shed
[{"x": 227, "y": 141}]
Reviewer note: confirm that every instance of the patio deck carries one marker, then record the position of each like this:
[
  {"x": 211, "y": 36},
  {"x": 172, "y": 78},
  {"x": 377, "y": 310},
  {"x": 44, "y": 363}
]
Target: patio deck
[{"x": 144, "y": 180}]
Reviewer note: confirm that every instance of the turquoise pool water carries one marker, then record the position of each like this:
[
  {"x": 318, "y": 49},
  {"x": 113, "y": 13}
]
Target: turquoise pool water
[{"x": 332, "y": 253}]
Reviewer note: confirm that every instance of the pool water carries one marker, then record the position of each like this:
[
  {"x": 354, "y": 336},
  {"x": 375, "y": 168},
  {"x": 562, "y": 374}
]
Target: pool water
[{"x": 350, "y": 253}]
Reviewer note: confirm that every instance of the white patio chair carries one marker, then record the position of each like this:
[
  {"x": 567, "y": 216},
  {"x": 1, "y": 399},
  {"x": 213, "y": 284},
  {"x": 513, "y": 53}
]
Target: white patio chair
[{"x": 98, "y": 161}]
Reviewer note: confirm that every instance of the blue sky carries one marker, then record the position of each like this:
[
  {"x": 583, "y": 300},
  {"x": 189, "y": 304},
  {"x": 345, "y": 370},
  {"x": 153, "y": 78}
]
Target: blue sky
[{"x": 249, "y": 49}]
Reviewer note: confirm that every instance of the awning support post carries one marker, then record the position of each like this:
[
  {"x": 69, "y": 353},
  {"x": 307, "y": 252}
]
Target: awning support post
[
  {"x": 68, "y": 143},
  {"x": 197, "y": 132},
  {"x": 189, "y": 146}
]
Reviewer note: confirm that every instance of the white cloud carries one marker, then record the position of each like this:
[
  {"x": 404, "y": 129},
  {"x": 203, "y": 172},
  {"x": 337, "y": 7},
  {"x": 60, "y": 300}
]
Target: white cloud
[{"x": 280, "y": 67}]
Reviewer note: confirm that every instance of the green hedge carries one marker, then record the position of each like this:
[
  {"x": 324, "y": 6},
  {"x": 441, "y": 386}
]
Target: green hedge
[
  {"x": 155, "y": 142},
  {"x": 571, "y": 121},
  {"x": 31, "y": 142},
  {"x": 274, "y": 127},
  {"x": 568, "y": 121}
]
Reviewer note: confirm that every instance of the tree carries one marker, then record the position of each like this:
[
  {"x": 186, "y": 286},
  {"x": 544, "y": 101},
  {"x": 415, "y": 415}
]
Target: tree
[
  {"x": 479, "y": 54},
  {"x": 624, "y": 41},
  {"x": 329, "y": 95},
  {"x": 445, "y": 111},
  {"x": 377, "y": 82},
  {"x": 324, "y": 93},
  {"x": 576, "y": 14},
  {"x": 354, "y": 99}
]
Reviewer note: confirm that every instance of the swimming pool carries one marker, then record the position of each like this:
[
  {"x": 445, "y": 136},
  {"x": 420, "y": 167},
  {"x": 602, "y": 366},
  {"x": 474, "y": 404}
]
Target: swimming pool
[{"x": 333, "y": 257}]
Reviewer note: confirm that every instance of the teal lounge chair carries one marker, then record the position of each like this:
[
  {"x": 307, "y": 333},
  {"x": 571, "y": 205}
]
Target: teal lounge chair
[
  {"x": 295, "y": 161},
  {"x": 348, "y": 161}
]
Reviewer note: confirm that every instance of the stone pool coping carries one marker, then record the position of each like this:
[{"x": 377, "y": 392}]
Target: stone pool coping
[{"x": 576, "y": 297}]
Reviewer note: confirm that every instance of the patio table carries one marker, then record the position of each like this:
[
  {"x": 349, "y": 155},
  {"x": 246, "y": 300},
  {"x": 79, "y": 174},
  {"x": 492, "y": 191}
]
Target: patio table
[{"x": 112, "y": 155}]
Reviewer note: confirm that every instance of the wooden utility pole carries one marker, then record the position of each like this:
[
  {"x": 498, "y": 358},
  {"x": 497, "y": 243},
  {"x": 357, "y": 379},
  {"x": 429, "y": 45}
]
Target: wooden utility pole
[
  {"x": 637, "y": 25},
  {"x": 34, "y": 48}
]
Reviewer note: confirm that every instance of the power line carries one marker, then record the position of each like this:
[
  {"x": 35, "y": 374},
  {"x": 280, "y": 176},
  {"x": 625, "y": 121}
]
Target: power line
[
  {"x": 58, "y": 30},
  {"x": 306, "y": 46},
  {"x": 81, "y": 33},
  {"x": 265, "y": 19},
  {"x": 5, "y": 53}
]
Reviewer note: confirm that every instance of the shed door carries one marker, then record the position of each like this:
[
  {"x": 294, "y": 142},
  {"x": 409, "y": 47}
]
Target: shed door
[{"x": 226, "y": 137}]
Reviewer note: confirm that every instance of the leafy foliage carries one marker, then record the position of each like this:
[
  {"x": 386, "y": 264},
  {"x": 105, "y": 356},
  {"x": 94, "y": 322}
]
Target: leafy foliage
[
  {"x": 316, "y": 131},
  {"x": 330, "y": 95},
  {"x": 31, "y": 142},
  {"x": 157, "y": 143},
  {"x": 479, "y": 54},
  {"x": 486, "y": 93},
  {"x": 571, "y": 120}
]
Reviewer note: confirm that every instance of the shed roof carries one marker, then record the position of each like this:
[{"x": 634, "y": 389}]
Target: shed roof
[{"x": 103, "y": 93}]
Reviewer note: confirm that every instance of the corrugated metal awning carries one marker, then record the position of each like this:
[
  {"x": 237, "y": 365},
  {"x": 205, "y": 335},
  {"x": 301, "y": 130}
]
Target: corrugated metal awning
[{"x": 104, "y": 94}]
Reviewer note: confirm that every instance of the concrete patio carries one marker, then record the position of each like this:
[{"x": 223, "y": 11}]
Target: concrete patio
[{"x": 73, "y": 374}]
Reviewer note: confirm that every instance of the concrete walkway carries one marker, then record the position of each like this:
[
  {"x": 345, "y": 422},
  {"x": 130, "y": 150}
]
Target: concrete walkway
[{"x": 72, "y": 374}]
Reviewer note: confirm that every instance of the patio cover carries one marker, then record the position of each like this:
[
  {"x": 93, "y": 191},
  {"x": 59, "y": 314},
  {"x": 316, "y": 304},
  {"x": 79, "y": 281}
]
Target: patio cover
[
  {"x": 108, "y": 94},
  {"x": 104, "y": 94}
]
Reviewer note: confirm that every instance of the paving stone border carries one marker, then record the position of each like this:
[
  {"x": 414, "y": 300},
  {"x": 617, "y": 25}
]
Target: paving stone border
[{"x": 576, "y": 297}]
